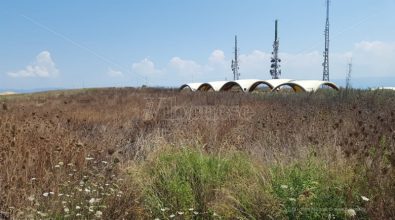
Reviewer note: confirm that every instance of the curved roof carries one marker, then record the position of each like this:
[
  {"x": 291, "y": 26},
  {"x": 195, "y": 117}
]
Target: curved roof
[
  {"x": 248, "y": 85},
  {"x": 192, "y": 86},
  {"x": 216, "y": 86},
  {"x": 306, "y": 85}
]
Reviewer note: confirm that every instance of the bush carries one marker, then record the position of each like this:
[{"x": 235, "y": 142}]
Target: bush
[
  {"x": 194, "y": 184},
  {"x": 312, "y": 190}
]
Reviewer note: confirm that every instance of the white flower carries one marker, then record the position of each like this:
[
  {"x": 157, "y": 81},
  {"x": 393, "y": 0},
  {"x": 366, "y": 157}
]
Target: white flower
[
  {"x": 78, "y": 214},
  {"x": 78, "y": 207},
  {"x": 52, "y": 193},
  {"x": 87, "y": 190},
  {"x": 284, "y": 187},
  {"x": 292, "y": 199},
  {"x": 195, "y": 212},
  {"x": 57, "y": 166},
  {"x": 91, "y": 201},
  {"x": 104, "y": 162},
  {"x": 180, "y": 213},
  {"x": 98, "y": 214},
  {"x": 89, "y": 158},
  {"x": 45, "y": 194},
  {"x": 61, "y": 163},
  {"x": 67, "y": 210},
  {"x": 90, "y": 208},
  {"x": 366, "y": 199},
  {"x": 164, "y": 209},
  {"x": 350, "y": 213},
  {"x": 190, "y": 209},
  {"x": 172, "y": 216},
  {"x": 32, "y": 179}
]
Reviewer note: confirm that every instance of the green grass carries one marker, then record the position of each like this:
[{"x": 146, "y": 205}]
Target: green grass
[{"x": 195, "y": 185}]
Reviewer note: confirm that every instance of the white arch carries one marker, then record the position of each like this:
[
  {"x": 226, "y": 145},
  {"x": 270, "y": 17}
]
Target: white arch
[
  {"x": 216, "y": 86},
  {"x": 192, "y": 86},
  {"x": 306, "y": 85},
  {"x": 249, "y": 85}
]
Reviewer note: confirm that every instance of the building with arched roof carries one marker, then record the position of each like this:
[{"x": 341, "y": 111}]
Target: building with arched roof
[
  {"x": 212, "y": 86},
  {"x": 190, "y": 86},
  {"x": 249, "y": 85},
  {"x": 306, "y": 85}
]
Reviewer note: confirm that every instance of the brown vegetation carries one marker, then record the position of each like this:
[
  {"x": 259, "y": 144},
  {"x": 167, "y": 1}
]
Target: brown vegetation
[{"x": 79, "y": 144}]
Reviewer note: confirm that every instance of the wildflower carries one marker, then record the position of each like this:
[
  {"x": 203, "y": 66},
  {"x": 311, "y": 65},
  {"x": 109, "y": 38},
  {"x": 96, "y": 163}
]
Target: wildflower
[
  {"x": 180, "y": 213},
  {"x": 64, "y": 202},
  {"x": 32, "y": 179},
  {"x": 284, "y": 187},
  {"x": 350, "y": 213},
  {"x": 164, "y": 209},
  {"x": 57, "y": 166},
  {"x": 292, "y": 199},
  {"x": 190, "y": 209},
  {"x": 60, "y": 194},
  {"x": 366, "y": 199},
  {"x": 45, "y": 194},
  {"x": 172, "y": 216},
  {"x": 92, "y": 200},
  {"x": 195, "y": 213},
  {"x": 89, "y": 158},
  {"x": 78, "y": 207},
  {"x": 70, "y": 164},
  {"x": 52, "y": 193},
  {"x": 98, "y": 214},
  {"x": 42, "y": 214},
  {"x": 78, "y": 214},
  {"x": 104, "y": 162},
  {"x": 90, "y": 208},
  {"x": 67, "y": 210},
  {"x": 61, "y": 163},
  {"x": 87, "y": 190}
]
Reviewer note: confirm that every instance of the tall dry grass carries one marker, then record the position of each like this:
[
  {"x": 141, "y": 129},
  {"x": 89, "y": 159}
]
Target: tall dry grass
[{"x": 66, "y": 141}]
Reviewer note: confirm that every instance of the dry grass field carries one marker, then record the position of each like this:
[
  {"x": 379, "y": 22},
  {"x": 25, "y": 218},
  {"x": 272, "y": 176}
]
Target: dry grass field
[{"x": 156, "y": 153}]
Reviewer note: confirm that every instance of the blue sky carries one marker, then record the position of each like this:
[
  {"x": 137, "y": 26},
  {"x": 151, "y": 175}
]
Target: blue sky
[{"x": 73, "y": 44}]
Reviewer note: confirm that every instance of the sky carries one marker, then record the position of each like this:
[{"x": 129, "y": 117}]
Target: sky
[{"x": 97, "y": 43}]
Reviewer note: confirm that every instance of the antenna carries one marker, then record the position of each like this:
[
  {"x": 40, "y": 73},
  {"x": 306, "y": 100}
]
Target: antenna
[
  {"x": 235, "y": 62},
  {"x": 348, "y": 78},
  {"x": 275, "y": 71},
  {"x": 325, "y": 76}
]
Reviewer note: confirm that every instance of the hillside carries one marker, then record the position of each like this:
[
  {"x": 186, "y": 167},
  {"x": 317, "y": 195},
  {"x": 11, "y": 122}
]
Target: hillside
[{"x": 88, "y": 153}]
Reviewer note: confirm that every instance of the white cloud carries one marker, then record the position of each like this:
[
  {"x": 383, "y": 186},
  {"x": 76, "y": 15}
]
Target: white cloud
[
  {"x": 217, "y": 56},
  {"x": 146, "y": 67},
  {"x": 43, "y": 66},
  {"x": 114, "y": 73},
  {"x": 369, "y": 58},
  {"x": 184, "y": 67}
]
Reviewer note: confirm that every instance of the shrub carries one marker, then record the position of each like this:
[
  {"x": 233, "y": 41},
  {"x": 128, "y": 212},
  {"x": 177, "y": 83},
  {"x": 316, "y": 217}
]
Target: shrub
[
  {"x": 192, "y": 183},
  {"x": 312, "y": 190}
]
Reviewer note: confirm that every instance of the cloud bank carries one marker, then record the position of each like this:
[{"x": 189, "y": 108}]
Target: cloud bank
[
  {"x": 43, "y": 66},
  {"x": 370, "y": 59}
]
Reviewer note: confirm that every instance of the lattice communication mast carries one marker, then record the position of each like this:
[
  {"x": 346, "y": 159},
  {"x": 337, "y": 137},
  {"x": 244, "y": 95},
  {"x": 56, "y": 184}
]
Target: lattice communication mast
[
  {"x": 275, "y": 70},
  {"x": 325, "y": 76},
  {"x": 235, "y": 62}
]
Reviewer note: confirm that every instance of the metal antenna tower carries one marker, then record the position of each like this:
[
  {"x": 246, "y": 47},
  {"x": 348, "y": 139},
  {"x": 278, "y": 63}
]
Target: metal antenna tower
[
  {"x": 348, "y": 78},
  {"x": 325, "y": 76},
  {"x": 275, "y": 71},
  {"x": 235, "y": 62}
]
